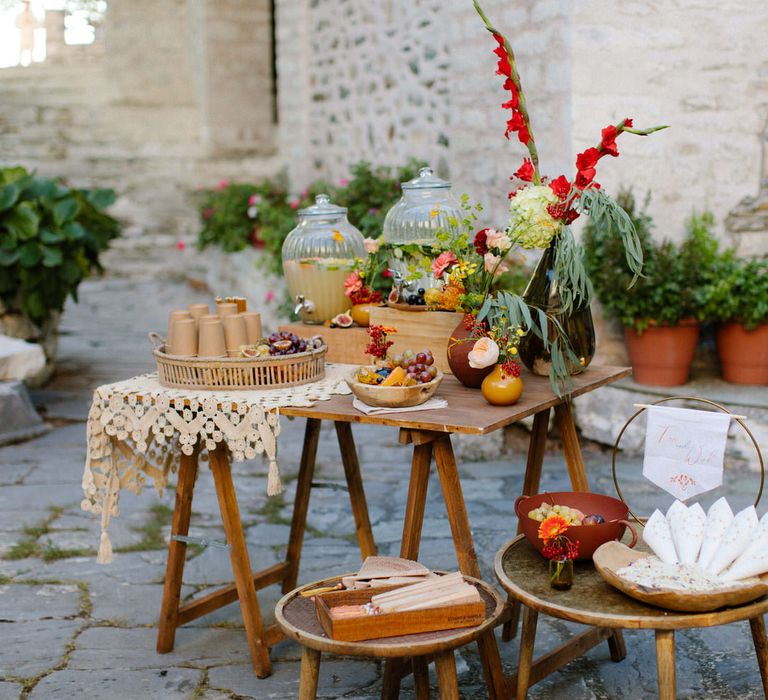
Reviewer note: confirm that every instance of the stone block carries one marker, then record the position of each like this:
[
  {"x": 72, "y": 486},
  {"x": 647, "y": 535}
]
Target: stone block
[
  {"x": 22, "y": 603},
  {"x": 18, "y": 418},
  {"x": 19, "y": 359},
  {"x": 31, "y": 648}
]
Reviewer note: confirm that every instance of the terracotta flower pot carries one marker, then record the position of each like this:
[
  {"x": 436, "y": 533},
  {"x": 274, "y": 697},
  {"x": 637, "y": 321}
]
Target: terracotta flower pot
[
  {"x": 662, "y": 355},
  {"x": 459, "y": 346},
  {"x": 743, "y": 353}
]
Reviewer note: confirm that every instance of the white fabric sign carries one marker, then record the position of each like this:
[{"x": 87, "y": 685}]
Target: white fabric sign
[{"x": 684, "y": 450}]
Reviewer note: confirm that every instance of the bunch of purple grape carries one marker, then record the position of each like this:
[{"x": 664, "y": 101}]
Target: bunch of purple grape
[
  {"x": 286, "y": 343},
  {"x": 419, "y": 366}
]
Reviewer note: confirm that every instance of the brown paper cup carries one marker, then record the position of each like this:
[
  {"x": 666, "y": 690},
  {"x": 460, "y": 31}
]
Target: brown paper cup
[
  {"x": 185, "y": 337},
  {"x": 211, "y": 333},
  {"x": 226, "y": 309},
  {"x": 235, "y": 334},
  {"x": 173, "y": 317},
  {"x": 198, "y": 310},
  {"x": 253, "y": 327},
  {"x": 242, "y": 304}
]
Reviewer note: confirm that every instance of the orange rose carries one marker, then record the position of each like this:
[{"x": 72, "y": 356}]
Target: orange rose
[{"x": 484, "y": 353}]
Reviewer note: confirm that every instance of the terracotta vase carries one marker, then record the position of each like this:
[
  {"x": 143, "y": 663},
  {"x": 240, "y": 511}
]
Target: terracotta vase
[
  {"x": 743, "y": 354},
  {"x": 361, "y": 314},
  {"x": 542, "y": 293},
  {"x": 501, "y": 389},
  {"x": 459, "y": 346},
  {"x": 662, "y": 355}
]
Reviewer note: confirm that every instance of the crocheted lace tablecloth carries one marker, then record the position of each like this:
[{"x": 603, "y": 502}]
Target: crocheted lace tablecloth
[{"x": 137, "y": 427}]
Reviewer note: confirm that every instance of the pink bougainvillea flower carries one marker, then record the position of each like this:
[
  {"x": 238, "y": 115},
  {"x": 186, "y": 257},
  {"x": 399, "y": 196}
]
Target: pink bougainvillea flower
[
  {"x": 254, "y": 199},
  {"x": 181, "y": 245},
  {"x": 294, "y": 203},
  {"x": 343, "y": 182},
  {"x": 442, "y": 262},
  {"x": 208, "y": 212},
  {"x": 270, "y": 296},
  {"x": 222, "y": 185}
]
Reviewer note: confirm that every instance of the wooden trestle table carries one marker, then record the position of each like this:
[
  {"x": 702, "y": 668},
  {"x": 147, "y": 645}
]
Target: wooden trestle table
[{"x": 429, "y": 432}]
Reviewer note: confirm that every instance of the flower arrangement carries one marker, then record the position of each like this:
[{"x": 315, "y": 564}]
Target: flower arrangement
[
  {"x": 540, "y": 211},
  {"x": 379, "y": 344},
  {"x": 359, "y": 286},
  {"x": 559, "y": 549}
]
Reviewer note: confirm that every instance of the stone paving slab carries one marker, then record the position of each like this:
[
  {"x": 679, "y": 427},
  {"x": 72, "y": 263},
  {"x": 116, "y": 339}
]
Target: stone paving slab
[
  {"x": 165, "y": 684},
  {"x": 32, "y": 647},
  {"x": 9, "y": 691},
  {"x": 22, "y": 603}
]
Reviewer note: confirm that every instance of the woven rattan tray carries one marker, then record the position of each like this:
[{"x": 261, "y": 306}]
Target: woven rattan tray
[{"x": 237, "y": 373}]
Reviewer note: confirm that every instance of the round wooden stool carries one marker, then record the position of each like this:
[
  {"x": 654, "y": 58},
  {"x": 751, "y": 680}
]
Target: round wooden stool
[
  {"x": 522, "y": 571},
  {"x": 296, "y": 615}
]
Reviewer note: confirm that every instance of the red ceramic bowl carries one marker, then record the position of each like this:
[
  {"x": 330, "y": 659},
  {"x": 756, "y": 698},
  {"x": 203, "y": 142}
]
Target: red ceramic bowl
[{"x": 589, "y": 537}]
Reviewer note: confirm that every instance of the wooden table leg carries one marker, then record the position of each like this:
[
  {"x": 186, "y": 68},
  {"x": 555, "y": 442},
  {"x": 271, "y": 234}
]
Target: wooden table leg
[
  {"x": 465, "y": 552},
  {"x": 571, "y": 448},
  {"x": 420, "y": 677},
  {"x": 447, "y": 682},
  {"x": 241, "y": 565},
  {"x": 409, "y": 545},
  {"x": 310, "y": 672},
  {"x": 174, "y": 570},
  {"x": 301, "y": 501},
  {"x": 757, "y": 624},
  {"x": 665, "y": 664},
  {"x": 355, "y": 485},
  {"x": 417, "y": 501},
  {"x": 536, "y": 449},
  {"x": 617, "y": 646},
  {"x": 527, "y": 642}
]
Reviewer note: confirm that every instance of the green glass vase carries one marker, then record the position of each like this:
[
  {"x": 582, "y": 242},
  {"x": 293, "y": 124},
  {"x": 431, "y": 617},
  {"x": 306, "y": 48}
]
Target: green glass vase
[{"x": 542, "y": 292}]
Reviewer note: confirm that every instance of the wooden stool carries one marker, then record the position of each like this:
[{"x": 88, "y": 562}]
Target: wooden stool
[
  {"x": 522, "y": 571},
  {"x": 296, "y": 616}
]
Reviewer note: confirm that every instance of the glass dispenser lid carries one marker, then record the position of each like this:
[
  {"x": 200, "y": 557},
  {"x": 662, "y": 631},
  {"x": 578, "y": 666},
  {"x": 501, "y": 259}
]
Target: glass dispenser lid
[
  {"x": 426, "y": 180},
  {"x": 323, "y": 208}
]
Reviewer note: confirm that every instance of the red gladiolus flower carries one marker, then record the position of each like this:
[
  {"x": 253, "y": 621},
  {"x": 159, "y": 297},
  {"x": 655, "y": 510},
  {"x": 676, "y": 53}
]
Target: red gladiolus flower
[
  {"x": 608, "y": 143},
  {"x": 504, "y": 67},
  {"x": 480, "y": 242},
  {"x": 560, "y": 186},
  {"x": 513, "y": 103},
  {"x": 628, "y": 123},
  {"x": 587, "y": 160},
  {"x": 525, "y": 171}
]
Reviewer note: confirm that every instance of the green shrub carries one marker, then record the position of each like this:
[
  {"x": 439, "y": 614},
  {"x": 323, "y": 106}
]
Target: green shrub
[
  {"x": 674, "y": 276},
  {"x": 236, "y": 216},
  {"x": 50, "y": 240},
  {"x": 737, "y": 291}
]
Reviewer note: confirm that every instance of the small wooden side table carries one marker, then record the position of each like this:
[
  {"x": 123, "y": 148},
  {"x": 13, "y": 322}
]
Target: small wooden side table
[
  {"x": 591, "y": 601},
  {"x": 296, "y": 616}
]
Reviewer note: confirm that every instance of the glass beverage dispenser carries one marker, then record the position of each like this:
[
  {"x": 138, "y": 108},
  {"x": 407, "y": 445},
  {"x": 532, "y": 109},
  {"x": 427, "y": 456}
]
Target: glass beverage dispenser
[
  {"x": 411, "y": 225},
  {"x": 318, "y": 256}
]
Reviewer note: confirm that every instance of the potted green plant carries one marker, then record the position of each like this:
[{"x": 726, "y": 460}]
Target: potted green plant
[
  {"x": 737, "y": 298},
  {"x": 662, "y": 311},
  {"x": 51, "y": 237}
]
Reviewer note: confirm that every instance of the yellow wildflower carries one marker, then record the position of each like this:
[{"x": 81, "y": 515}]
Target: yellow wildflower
[{"x": 338, "y": 237}]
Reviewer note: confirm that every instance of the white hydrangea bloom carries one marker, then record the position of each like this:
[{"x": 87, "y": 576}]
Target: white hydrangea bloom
[{"x": 530, "y": 223}]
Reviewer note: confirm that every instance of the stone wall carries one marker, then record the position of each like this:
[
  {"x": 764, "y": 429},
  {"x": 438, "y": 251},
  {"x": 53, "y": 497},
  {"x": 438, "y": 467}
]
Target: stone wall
[{"x": 400, "y": 78}]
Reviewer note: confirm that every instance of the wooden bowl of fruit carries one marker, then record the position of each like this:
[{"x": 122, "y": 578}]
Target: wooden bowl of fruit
[
  {"x": 594, "y": 519},
  {"x": 406, "y": 380}
]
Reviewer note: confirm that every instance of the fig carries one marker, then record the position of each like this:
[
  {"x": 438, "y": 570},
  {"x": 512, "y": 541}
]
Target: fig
[
  {"x": 394, "y": 296},
  {"x": 594, "y": 519},
  {"x": 341, "y": 321}
]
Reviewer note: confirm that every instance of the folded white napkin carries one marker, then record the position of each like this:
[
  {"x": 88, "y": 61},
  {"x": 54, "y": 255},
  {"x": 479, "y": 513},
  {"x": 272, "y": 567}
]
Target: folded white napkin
[
  {"x": 688, "y": 533},
  {"x": 719, "y": 517},
  {"x": 657, "y": 536},
  {"x": 433, "y": 403},
  {"x": 754, "y": 559},
  {"x": 736, "y": 539}
]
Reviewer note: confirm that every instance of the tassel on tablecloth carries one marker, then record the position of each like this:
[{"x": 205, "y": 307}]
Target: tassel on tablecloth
[
  {"x": 105, "y": 550},
  {"x": 274, "y": 487}
]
